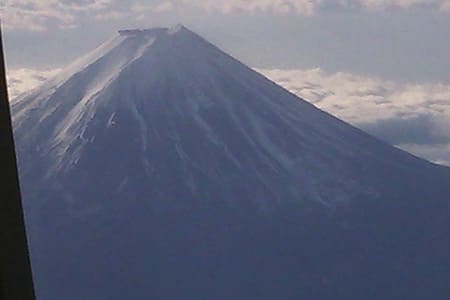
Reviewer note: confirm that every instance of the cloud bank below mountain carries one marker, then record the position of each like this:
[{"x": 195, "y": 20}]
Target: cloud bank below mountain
[
  {"x": 414, "y": 117},
  {"x": 25, "y": 79}
]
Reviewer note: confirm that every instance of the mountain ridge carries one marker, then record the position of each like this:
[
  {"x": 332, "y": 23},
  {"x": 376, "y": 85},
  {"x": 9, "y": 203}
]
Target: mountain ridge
[{"x": 176, "y": 170}]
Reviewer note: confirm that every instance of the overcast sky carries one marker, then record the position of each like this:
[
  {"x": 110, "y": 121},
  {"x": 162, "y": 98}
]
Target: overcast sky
[{"x": 382, "y": 65}]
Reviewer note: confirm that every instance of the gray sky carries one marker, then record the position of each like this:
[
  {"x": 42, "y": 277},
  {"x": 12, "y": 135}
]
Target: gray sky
[
  {"x": 383, "y": 65},
  {"x": 409, "y": 43}
]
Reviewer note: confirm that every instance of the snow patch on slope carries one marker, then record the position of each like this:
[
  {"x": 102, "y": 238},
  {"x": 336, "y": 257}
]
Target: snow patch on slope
[
  {"x": 86, "y": 60},
  {"x": 83, "y": 112}
]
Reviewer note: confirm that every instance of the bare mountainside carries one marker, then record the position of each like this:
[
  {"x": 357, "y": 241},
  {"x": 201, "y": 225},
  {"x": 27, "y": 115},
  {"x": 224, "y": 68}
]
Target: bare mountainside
[{"x": 159, "y": 167}]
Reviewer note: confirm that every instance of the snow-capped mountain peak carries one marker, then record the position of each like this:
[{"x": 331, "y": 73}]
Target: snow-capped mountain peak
[
  {"x": 161, "y": 149},
  {"x": 177, "y": 88}
]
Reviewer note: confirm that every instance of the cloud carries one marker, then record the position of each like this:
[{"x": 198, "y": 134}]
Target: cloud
[
  {"x": 414, "y": 117},
  {"x": 42, "y": 14},
  {"x": 426, "y": 136},
  {"x": 439, "y": 155},
  {"x": 385, "y": 4},
  {"x": 302, "y": 7},
  {"x": 23, "y": 80},
  {"x": 425, "y": 129}
]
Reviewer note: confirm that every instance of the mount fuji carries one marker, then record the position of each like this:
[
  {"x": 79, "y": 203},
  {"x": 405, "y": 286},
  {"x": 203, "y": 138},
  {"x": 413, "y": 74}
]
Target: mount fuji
[{"x": 159, "y": 167}]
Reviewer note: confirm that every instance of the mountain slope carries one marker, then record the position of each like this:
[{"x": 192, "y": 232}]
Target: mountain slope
[{"x": 176, "y": 172}]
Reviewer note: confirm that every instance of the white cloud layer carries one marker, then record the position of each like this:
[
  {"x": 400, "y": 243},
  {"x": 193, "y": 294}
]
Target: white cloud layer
[
  {"x": 303, "y": 7},
  {"x": 44, "y": 14},
  {"x": 414, "y": 117},
  {"x": 23, "y": 80},
  {"x": 39, "y": 15}
]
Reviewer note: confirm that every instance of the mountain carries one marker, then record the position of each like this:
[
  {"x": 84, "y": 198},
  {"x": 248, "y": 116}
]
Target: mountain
[{"x": 159, "y": 167}]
